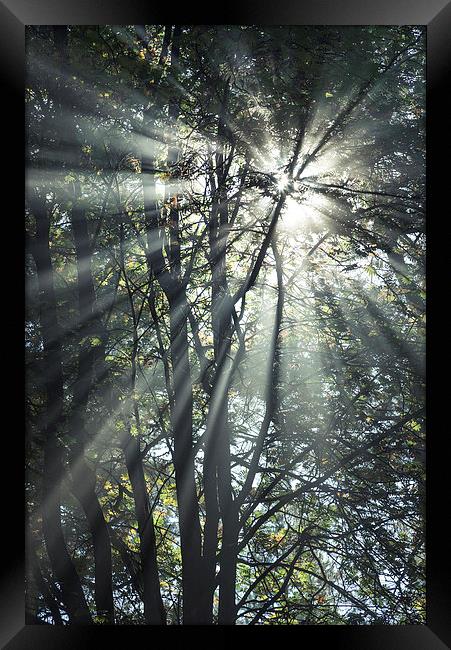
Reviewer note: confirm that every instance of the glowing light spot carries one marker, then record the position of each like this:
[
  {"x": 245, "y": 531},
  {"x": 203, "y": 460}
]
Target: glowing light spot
[
  {"x": 297, "y": 213},
  {"x": 282, "y": 181},
  {"x": 293, "y": 214}
]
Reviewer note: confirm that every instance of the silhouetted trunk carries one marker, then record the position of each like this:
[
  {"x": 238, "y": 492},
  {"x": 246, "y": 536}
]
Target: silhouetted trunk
[
  {"x": 34, "y": 570},
  {"x": 218, "y": 434},
  {"x": 182, "y": 423},
  {"x": 83, "y": 479},
  {"x": 154, "y": 611},
  {"x": 168, "y": 275},
  {"x": 60, "y": 560},
  {"x": 181, "y": 412}
]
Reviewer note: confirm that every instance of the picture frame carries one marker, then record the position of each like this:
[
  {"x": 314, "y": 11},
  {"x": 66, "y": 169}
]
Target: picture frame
[{"x": 436, "y": 15}]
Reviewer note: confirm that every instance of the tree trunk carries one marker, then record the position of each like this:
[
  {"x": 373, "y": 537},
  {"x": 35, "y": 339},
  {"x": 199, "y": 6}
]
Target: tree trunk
[
  {"x": 182, "y": 423},
  {"x": 219, "y": 436},
  {"x": 60, "y": 560},
  {"x": 83, "y": 479},
  {"x": 169, "y": 277},
  {"x": 154, "y": 612},
  {"x": 34, "y": 570}
]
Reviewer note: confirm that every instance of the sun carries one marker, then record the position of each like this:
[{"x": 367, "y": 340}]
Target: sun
[
  {"x": 306, "y": 211},
  {"x": 293, "y": 215},
  {"x": 283, "y": 181}
]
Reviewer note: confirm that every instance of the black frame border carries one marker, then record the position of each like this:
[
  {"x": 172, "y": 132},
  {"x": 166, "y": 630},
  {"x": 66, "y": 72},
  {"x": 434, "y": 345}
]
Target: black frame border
[{"x": 436, "y": 16}]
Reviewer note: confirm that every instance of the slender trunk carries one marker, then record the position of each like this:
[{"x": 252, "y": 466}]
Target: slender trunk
[
  {"x": 60, "y": 560},
  {"x": 182, "y": 423},
  {"x": 34, "y": 570},
  {"x": 83, "y": 478},
  {"x": 154, "y": 612},
  {"x": 217, "y": 481},
  {"x": 219, "y": 437},
  {"x": 83, "y": 488},
  {"x": 169, "y": 277},
  {"x": 181, "y": 411}
]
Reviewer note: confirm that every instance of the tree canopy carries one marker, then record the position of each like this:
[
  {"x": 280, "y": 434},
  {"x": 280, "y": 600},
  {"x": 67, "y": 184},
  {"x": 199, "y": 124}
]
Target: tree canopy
[{"x": 225, "y": 324}]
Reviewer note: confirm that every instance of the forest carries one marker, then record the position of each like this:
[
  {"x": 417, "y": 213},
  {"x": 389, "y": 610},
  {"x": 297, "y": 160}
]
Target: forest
[{"x": 225, "y": 325}]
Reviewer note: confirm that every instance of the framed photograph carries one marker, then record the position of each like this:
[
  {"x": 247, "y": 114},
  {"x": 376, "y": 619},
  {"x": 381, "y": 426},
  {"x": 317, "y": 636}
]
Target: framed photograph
[{"x": 226, "y": 235}]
